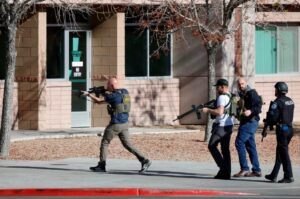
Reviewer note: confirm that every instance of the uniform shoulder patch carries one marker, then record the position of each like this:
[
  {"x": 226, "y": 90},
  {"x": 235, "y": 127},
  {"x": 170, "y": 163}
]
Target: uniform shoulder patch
[
  {"x": 288, "y": 103},
  {"x": 274, "y": 106}
]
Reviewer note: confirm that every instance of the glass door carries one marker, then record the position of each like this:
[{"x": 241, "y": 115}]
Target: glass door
[{"x": 78, "y": 66}]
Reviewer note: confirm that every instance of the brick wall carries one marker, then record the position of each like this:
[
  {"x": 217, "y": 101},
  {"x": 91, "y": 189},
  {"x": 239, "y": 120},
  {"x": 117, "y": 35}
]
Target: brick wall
[
  {"x": 30, "y": 72},
  {"x": 265, "y": 87},
  {"x": 15, "y": 124},
  {"x": 58, "y": 104}
]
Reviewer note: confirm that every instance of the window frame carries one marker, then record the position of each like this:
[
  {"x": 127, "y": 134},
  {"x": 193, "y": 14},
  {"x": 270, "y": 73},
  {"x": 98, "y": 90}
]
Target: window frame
[
  {"x": 148, "y": 58},
  {"x": 277, "y": 57}
]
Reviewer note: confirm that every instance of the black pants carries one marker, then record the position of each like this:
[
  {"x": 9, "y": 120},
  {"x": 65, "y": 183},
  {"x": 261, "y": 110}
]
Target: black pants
[
  {"x": 222, "y": 135},
  {"x": 283, "y": 136}
]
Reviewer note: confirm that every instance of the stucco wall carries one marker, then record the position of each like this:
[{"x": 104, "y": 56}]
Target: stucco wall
[
  {"x": 153, "y": 101},
  {"x": 190, "y": 67}
]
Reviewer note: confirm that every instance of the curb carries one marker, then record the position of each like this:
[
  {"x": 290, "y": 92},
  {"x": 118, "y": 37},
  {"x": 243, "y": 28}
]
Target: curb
[
  {"x": 28, "y": 138},
  {"x": 114, "y": 192},
  {"x": 89, "y": 134}
]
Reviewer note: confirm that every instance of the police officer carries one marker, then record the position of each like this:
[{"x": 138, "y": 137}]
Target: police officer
[
  {"x": 245, "y": 140},
  {"x": 222, "y": 130},
  {"x": 118, "y": 100},
  {"x": 281, "y": 114}
]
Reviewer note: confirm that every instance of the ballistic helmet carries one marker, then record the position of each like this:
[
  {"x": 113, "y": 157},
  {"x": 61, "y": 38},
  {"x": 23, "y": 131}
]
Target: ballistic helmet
[{"x": 282, "y": 87}]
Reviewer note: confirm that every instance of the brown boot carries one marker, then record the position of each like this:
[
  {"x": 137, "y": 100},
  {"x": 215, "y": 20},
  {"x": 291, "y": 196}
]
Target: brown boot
[
  {"x": 254, "y": 174},
  {"x": 241, "y": 173}
]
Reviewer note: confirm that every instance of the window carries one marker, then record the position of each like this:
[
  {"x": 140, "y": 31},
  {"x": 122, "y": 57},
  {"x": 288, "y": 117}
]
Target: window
[
  {"x": 277, "y": 50},
  {"x": 138, "y": 50},
  {"x": 55, "y": 52}
]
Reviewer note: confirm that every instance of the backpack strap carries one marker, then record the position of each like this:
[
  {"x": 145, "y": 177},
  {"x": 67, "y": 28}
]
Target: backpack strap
[{"x": 227, "y": 106}]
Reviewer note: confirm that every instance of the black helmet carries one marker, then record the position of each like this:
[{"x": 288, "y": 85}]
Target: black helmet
[{"x": 282, "y": 87}]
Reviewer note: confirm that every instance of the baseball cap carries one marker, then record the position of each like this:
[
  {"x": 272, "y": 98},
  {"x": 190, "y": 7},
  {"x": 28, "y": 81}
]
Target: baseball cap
[{"x": 221, "y": 82}]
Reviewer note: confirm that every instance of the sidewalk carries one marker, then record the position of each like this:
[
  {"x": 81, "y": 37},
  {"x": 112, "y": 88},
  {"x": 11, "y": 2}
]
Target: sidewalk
[
  {"x": 71, "y": 177},
  {"x": 81, "y": 132}
]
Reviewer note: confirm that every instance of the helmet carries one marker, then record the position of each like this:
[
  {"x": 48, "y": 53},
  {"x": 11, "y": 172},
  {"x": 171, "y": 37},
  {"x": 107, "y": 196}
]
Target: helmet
[{"x": 282, "y": 87}]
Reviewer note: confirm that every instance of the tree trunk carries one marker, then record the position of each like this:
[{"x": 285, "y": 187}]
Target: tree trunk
[
  {"x": 211, "y": 55},
  {"x": 7, "y": 110}
]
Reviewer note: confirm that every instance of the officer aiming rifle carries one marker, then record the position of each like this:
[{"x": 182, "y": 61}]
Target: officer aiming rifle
[
  {"x": 100, "y": 90},
  {"x": 196, "y": 109},
  {"x": 118, "y": 107}
]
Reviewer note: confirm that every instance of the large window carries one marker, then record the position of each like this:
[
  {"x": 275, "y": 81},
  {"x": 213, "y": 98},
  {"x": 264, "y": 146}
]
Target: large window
[
  {"x": 140, "y": 60},
  {"x": 277, "y": 50},
  {"x": 55, "y": 52}
]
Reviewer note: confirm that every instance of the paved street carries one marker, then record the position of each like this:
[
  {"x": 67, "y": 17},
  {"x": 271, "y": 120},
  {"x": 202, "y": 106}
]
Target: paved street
[{"x": 74, "y": 173}]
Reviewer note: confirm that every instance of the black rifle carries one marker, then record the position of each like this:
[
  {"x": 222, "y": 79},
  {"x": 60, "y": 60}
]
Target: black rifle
[
  {"x": 267, "y": 123},
  {"x": 196, "y": 109},
  {"x": 100, "y": 90}
]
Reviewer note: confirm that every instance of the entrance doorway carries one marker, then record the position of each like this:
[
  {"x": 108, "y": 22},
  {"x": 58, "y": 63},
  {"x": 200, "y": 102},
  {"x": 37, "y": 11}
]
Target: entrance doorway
[{"x": 77, "y": 71}]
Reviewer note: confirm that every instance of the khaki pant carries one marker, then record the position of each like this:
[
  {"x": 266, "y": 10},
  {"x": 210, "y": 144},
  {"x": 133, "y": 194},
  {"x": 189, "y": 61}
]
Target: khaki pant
[{"x": 120, "y": 130}]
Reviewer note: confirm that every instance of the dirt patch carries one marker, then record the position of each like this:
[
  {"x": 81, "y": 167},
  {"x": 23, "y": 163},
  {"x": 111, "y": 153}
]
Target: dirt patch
[{"x": 177, "y": 146}]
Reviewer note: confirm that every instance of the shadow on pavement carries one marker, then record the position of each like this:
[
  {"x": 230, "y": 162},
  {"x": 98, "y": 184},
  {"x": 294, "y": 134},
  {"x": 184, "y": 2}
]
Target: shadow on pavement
[
  {"x": 44, "y": 168},
  {"x": 158, "y": 173}
]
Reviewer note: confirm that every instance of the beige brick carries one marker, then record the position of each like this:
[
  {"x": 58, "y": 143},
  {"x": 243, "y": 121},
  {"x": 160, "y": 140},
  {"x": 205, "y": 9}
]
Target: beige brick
[
  {"x": 24, "y": 124},
  {"x": 34, "y": 52},
  {"x": 23, "y": 52},
  {"x": 29, "y": 61},
  {"x": 109, "y": 42},
  {"x": 102, "y": 51},
  {"x": 33, "y": 125},
  {"x": 23, "y": 32},
  {"x": 43, "y": 125},
  {"x": 100, "y": 122},
  {"x": 34, "y": 33},
  {"x": 29, "y": 42},
  {"x": 30, "y": 115},
  {"x": 95, "y": 41}
]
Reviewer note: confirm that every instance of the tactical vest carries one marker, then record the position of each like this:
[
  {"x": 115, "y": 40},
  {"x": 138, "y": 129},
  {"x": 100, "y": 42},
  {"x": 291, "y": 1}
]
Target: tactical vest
[
  {"x": 238, "y": 104},
  {"x": 286, "y": 111},
  {"x": 123, "y": 107}
]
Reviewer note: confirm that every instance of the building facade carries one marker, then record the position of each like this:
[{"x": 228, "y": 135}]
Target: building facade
[{"x": 55, "y": 61}]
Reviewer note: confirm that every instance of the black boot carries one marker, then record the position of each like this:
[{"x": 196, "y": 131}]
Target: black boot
[
  {"x": 99, "y": 168},
  {"x": 270, "y": 177},
  {"x": 224, "y": 175},
  {"x": 145, "y": 165},
  {"x": 286, "y": 180}
]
